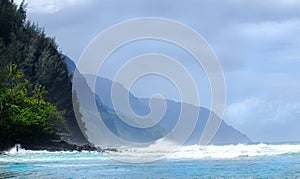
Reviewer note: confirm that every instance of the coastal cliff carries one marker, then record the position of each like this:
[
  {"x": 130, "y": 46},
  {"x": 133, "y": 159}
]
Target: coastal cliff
[{"x": 35, "y": 86}]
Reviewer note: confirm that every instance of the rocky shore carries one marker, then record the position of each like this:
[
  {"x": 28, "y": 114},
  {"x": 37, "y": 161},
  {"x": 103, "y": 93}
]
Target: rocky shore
[{"x": 66, "y": 146}]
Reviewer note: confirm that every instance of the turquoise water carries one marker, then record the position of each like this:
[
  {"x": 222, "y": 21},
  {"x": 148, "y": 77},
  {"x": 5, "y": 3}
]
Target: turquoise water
[{"x": 253, "y": 161}]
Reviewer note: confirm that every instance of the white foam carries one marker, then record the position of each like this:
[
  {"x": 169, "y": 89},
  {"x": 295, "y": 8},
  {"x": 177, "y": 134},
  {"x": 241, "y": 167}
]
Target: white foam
[
  {"x": 158, "y": 151},
  {"x": 206, "y": 152},
  {"x": 18, "y": 150},
  {"x": 233, "y": 151}
]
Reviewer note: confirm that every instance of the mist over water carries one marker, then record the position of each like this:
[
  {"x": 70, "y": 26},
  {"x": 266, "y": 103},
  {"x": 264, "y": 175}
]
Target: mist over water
[
  {"x": 197, "y": 152},
  {"x": 192, "y": 152},
  {"x": 257, "y": 160}
]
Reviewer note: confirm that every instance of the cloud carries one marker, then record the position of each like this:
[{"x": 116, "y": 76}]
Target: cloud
[
  {"x": 272, "y": 33},
  {"x": 50, "y": 6},
  {"x": 223, "y": 23},
  {"x": 264, "y": 84},
  {"x": 265, "y": 120},
  {"x": 278, "y": 3},
  {"x": 257, "y": 43}
]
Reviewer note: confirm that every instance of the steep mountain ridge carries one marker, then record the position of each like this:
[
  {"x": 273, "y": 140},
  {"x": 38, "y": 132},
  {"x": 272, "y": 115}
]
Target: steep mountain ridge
[{"x": 225, "y": 134}]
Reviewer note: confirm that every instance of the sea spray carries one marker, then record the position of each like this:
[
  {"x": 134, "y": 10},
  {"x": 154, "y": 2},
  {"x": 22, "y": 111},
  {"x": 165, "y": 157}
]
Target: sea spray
[
  {"x": 182, "y": 152},
  {"x": 197, "y": 152}
]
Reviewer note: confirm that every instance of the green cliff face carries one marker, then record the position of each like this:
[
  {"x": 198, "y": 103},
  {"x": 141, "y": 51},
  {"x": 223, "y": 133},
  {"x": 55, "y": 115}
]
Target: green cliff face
[{"x": 35, "y": 86}]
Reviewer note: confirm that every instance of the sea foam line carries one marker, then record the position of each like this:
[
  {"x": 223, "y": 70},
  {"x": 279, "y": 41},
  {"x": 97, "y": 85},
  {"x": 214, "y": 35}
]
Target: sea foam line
[{"x": 162, "y": 151}]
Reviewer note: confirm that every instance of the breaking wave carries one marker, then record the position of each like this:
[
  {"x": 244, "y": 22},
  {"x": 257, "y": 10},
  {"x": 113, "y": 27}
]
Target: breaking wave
[
  {"x": 161, "y": 151},
  {"x": 210, "y": 152}
]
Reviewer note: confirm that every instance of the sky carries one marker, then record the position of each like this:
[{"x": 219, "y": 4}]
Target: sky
[{"x": 256, "y": 42}]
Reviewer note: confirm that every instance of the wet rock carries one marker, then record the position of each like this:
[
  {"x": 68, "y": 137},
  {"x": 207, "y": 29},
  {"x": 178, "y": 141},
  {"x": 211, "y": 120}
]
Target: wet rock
[
  {"x": 66, "y": 146},
  {"x": 61, "y": 145}
]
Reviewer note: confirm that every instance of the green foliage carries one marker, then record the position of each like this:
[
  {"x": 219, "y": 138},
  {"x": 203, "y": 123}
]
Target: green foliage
[
  {"x": 36, "y": 92},
  {"x": 26, "y": 117}
]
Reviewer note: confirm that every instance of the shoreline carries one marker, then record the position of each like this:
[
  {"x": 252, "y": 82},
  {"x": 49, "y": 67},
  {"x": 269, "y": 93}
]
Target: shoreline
[{"x": 64, "y": 146}]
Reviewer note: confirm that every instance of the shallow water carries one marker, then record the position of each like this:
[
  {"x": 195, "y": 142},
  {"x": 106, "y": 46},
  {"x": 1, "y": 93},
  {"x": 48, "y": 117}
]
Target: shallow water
[{"x": 238, "y": 161}]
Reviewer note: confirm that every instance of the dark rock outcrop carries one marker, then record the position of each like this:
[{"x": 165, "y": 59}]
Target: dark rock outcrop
[{"x": 65, "y": 146}]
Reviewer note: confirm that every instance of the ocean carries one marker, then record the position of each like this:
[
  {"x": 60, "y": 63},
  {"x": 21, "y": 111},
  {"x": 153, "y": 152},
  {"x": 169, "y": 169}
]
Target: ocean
[{"x": 228, "y": 161}]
